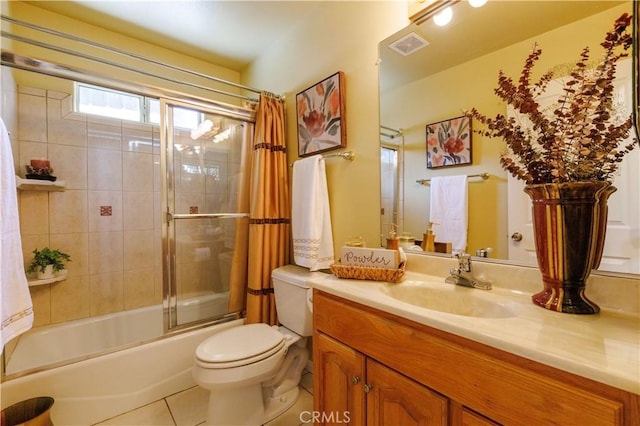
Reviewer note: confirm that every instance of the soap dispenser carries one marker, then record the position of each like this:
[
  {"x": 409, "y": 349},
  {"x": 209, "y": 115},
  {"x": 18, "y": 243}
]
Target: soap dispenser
[
  {"x": 392, "y": 239},
  {"x": 428, "y": 240}
]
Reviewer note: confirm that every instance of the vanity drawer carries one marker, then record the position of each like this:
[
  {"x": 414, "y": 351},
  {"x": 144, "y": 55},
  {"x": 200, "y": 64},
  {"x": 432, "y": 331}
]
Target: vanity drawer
[{"x": 506, "y": 388}]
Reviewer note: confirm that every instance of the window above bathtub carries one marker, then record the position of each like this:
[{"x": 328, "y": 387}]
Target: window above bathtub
[{"x": 110, "y": 103}]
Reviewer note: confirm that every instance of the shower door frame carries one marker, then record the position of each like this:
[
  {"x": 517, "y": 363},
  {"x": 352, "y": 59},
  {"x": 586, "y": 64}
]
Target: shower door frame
[{"x": 169, "y": 217}]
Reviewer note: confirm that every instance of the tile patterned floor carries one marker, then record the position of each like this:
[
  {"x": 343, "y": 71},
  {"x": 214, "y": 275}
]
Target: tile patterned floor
[{"x": 189, "y": 408}]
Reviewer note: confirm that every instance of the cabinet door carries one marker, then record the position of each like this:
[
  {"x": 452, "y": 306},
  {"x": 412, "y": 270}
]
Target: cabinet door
[
  {"x": 394, "y": 399},
  {"x": 338, "y": 377},
  {"x": 470, "y": 418}
]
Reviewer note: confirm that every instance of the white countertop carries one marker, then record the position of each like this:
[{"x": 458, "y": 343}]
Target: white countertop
[{"x": 604, "y": 347}]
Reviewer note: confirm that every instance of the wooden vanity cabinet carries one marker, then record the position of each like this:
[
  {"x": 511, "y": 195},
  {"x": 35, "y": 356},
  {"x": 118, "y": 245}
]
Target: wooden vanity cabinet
[
  {"x": 374, "y": 368},
  {"x": 352, "y": 387}
]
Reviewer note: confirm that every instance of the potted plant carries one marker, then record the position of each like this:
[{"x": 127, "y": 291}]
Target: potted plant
[
  {"x": 47, "y": 262},
  {"x": 567, "y": 156}
]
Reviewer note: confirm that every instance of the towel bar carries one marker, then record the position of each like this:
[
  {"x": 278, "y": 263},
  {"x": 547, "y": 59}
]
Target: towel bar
[{"x": 484, "y": 176}]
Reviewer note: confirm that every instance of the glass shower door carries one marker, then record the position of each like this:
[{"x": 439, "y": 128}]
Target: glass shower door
[{"x": 202, "y": 161}]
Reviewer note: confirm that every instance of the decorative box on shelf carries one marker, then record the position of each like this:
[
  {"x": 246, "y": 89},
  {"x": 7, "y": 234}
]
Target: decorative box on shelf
[
  {"x": 369, "y": 264},
  {"x": 368, "y": 273}
]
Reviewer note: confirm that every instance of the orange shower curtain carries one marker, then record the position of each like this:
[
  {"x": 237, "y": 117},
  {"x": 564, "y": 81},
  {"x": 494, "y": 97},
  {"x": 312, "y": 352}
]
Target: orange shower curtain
[{"x": 270, "y": 213}]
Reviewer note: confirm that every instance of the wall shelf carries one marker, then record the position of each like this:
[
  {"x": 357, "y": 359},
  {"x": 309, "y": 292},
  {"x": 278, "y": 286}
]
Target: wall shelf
[
  {"x": 62, "y": 275},
  {"x": 39, "y": 185}
]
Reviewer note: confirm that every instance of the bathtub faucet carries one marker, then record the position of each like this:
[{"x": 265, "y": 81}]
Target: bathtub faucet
[{"x": 463, "y": 276}]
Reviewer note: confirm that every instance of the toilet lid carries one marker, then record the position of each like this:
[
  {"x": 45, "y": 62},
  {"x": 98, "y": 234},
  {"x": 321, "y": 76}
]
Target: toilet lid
[{"x": 240, "y": 345}]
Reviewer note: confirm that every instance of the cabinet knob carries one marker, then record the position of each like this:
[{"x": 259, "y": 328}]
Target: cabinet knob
[
  {"x": 355, "y": 380},
  {"x": 367, "y": 388}
]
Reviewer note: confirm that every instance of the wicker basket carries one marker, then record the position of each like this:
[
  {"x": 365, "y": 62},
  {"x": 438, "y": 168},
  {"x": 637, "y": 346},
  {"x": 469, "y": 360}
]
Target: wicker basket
[{"x": 368, "y": 273}]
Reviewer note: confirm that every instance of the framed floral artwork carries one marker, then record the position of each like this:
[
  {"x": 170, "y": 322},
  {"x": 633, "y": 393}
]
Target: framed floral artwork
[
  {"x": 449, "y": 143},
  {"x": 321, "y": 116}
]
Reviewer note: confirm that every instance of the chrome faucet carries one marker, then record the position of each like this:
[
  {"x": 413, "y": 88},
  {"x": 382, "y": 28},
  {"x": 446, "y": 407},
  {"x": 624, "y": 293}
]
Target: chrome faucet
[{"x": 463, "y": 276}]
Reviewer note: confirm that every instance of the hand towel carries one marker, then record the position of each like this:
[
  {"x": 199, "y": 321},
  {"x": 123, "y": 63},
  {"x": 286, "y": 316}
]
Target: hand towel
[
  {"x": 449, "y": 210},
  {"x": 16, "y": 309},
  {"x": 310, "y": 216}
]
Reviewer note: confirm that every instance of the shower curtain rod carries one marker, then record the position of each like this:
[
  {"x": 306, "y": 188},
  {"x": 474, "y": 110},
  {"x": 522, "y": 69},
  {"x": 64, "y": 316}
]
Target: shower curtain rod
[
  {"x": 129, "y": 54},
  {"x": 391, "y": 129}
]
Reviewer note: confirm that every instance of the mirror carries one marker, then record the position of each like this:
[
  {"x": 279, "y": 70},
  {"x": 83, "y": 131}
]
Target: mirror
[{"x": 458, "y": 69}]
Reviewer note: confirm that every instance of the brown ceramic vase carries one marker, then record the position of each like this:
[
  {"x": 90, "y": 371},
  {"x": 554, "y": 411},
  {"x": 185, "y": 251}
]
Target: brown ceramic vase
[{"x": 569, "y": 225}]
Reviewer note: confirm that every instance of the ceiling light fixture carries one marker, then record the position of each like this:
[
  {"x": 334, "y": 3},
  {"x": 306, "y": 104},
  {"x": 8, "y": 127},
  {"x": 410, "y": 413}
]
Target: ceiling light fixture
[
  {"x": 477, "y": 3},
  {"x": 443, "y": 17}
]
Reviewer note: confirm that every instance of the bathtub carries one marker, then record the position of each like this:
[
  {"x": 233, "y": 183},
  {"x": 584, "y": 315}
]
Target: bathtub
[{"x": 95, "y": 389}]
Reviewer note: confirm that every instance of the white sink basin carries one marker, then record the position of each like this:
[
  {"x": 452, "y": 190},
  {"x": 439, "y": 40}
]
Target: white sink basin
[{"x": 451, "y": 299}]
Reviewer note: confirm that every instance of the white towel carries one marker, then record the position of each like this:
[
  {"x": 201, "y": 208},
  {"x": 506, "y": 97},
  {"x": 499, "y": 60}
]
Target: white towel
[
  {"x": 16, "y": 309},
  {"x": 310, "y": 217},
  {"x": 449, "y": 210}
]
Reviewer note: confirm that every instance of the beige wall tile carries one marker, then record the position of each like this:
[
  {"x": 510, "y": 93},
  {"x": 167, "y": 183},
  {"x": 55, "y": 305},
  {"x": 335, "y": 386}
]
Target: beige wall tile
[
  {"x": 29, "y": 151},
  {"x": 138, "y": 249},
  {"x": 157, "y": 183},
  {"x": 157, "y": 248},
  {"x": 69, "y": 163},
  {"x": 105, "y": 199},
  {"x": 75, "y": 245},
  {"x": 138, "y": 210},
  {"x": 34, "y": 212},
  {"x": 63, "y": 130},
  {"x": 104, "y": 169},
  {"x": 137, "y": 171},
  {"x": 157, "y": 211},
  {"x": 139, "y": 288},
  {"x": 105, "y": 136},
  {"x": 158, "y": 285},
  {"x": 70, "y": 299},
  {"x": 32, "y": 118},
  {"x": 68, "y": 211},
  {"x": 106, "y": 293},
  {"x": 36, "y": 91},
  {"x": 32, "y": 242},
  {"x": 41, "y": 299},
  {"x": 137, "y": 137},
  {"x": 105, "y": 252}
]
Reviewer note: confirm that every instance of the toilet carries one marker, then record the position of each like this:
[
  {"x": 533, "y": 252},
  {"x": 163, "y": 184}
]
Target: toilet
[{"x": 253, "y": 371}]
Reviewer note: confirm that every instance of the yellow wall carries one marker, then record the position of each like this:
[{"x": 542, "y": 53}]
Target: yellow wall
[
  {"x": 28, "y": 13},
  {"x": 449, "y": 93},
  {"x": 341, "y": 36}
]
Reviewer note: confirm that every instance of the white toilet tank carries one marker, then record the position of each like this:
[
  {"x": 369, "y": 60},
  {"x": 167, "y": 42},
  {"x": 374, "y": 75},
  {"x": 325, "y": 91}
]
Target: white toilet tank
[{"x": 292, "y": 287}]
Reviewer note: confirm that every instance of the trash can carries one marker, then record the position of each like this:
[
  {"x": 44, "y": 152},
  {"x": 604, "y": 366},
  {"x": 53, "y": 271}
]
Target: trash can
[{"x": 31, "y": 412}]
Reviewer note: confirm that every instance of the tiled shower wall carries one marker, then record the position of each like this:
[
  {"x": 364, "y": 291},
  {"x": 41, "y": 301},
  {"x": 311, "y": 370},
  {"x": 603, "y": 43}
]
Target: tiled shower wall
[{"x": 107, "y": 219}]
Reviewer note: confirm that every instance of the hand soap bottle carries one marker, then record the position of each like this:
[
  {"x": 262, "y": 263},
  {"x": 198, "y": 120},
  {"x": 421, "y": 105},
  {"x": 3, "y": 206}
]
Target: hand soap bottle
[
  {"x": 392, "y": 239},
  {"x": 428, "y": 240}
]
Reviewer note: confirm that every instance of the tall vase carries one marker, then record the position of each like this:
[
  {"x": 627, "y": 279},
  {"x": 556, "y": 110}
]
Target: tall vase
[{"x": 569, "y": 225}]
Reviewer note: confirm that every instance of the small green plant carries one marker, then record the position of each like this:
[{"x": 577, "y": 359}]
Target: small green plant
[{"x": 47, "y": 256}]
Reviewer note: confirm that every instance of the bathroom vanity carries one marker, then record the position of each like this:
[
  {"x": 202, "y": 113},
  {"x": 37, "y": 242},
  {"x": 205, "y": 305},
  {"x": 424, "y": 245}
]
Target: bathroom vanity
[{"x": 380, "y": 357}]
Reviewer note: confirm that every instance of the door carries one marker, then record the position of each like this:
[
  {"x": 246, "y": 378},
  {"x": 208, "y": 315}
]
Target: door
[
  {"x": 622, "y": 247},
  {"x": 201, "y": 165},
  {"x": 389, "y": 190},
  {"x": 394, "y": 399},
  {"x": 338, "y": 380}
]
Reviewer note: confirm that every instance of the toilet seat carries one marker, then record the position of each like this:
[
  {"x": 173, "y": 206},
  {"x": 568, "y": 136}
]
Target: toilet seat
[{"x": 239, "y": 346}]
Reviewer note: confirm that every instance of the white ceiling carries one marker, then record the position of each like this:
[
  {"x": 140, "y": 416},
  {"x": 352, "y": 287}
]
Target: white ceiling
[{"x": 229, "y": 33}]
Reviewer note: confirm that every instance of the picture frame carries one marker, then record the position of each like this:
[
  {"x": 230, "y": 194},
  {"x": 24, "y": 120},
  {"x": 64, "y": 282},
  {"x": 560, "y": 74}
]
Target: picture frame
[
  {"x": 320, "y": 112},
  {"x": 448, "y": 143}
]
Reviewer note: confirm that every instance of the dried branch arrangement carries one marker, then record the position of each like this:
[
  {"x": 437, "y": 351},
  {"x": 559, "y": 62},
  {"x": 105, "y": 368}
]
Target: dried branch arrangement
[{"x": 580, "y": 138}]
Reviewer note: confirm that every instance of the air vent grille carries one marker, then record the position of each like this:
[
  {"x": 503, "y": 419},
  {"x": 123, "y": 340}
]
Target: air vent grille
[{"x": 409, "y": 44}]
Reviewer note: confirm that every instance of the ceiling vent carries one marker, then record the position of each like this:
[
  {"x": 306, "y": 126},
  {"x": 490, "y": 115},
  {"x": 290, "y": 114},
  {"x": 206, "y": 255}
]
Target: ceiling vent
[{"x": 408, "y": 44}]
